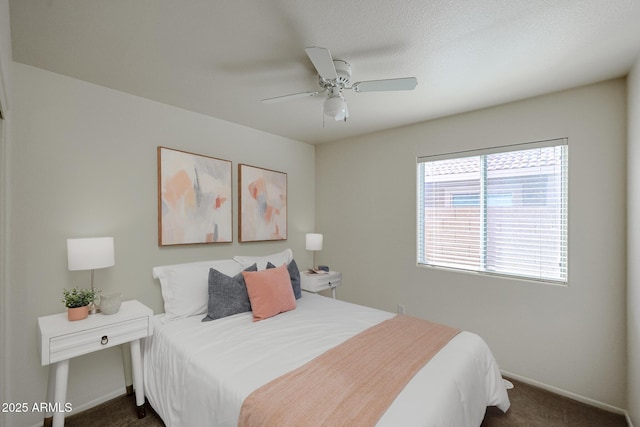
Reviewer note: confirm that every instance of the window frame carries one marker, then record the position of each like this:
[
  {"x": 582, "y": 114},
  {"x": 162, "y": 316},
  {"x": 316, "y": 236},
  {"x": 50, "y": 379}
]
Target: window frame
[{"x": 563, "y": 235}]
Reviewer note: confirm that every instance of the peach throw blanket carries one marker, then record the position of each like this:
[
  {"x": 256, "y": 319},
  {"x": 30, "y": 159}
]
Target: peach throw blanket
[{"x": 351, "y": 384}]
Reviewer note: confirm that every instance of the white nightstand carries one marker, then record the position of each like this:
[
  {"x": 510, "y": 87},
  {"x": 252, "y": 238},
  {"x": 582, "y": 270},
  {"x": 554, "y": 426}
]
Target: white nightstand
[
  {"x": 60, "y": 339},
  {"x": 316, "y": 282}
]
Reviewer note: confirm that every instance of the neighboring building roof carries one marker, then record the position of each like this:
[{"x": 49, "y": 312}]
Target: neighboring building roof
[{"x": 500, "y": 161}]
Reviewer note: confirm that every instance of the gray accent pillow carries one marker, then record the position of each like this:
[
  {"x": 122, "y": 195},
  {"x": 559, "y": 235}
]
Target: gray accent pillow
[
  {"x": 227, "y": 295},
  {"x": 294, "y": 275}
]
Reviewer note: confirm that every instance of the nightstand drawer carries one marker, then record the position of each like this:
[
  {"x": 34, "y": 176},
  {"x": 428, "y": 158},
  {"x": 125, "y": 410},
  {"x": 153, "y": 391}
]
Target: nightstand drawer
[
  {"x": 320, "y": 282},
  {"x": 64, "y": 347}
]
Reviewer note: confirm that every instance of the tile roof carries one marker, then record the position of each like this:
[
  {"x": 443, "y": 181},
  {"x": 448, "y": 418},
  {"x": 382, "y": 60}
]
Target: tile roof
[{"x": 538, "y": 157}]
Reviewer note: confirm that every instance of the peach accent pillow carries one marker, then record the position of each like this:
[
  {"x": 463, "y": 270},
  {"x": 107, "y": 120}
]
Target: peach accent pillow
[{"x": 270, "y": 292}]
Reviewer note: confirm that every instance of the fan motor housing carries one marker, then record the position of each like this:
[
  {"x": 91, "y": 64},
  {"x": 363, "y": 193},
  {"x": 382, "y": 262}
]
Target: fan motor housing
[{"x": 343, "y": 70}]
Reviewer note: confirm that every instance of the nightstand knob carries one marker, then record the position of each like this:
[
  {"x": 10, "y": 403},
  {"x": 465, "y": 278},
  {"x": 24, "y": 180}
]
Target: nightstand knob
[{"x": 104, "y": 340}]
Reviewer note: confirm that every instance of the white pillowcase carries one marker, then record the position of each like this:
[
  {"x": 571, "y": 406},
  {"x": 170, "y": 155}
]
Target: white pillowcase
[
  {"x": 276, "y": 259},
  {"x": 185, "y": 287}
]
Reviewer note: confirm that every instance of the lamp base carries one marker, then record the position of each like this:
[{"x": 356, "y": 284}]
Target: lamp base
[{"x": 94, "y": 308}]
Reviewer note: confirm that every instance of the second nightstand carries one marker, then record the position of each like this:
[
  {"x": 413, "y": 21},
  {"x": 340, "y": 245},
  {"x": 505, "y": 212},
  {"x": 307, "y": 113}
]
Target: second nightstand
[{"x": 316, "y": 282}]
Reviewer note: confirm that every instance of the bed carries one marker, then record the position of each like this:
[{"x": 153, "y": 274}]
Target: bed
[{"x": 199, "y": 373}]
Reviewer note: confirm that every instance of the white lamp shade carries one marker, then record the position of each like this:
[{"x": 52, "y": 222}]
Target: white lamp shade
[
  {"x": 335, "y": 106},
  {"x": 313, "y": 242},
  {"x": 90, "y": 253}
]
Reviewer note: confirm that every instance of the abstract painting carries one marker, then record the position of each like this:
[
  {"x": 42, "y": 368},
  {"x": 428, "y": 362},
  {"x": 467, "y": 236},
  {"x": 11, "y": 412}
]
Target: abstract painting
[
  {"x": 194, "y": 198},
  {"x": 262, "y": 203}
]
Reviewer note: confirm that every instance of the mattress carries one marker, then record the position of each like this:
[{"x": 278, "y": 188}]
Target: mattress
[{"x": 199, "y": 373}]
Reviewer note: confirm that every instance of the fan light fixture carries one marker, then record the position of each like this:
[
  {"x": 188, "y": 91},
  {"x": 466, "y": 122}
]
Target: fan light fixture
[{"x": 335, "y": 106}]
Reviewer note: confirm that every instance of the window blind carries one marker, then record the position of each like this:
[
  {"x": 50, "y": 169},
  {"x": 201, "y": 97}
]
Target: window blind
[{"x": 501, "y": 210}]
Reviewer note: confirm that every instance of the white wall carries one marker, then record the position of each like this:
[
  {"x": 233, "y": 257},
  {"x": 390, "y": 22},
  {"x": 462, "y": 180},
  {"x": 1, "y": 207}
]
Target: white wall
[
  {"x": 5, "y": 101},
  {"x": 5, "y": 55},
  {"x": 84, "y": 164},
  {"x": 633, "y": 272},
  {"x": 572, "y": 338}
]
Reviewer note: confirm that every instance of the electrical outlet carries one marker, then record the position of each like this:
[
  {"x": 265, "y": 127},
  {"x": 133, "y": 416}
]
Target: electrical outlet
[{"x": 400, "y": 308}]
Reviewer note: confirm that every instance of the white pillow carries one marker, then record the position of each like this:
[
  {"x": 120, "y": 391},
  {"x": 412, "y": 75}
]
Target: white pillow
[
  {"x": 277, "y": 259},
  {"x": 185, "y": 287}
]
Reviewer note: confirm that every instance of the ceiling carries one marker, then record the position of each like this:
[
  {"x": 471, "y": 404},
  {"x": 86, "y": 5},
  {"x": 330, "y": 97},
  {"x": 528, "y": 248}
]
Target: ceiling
[{"x": 220, "y": 58}]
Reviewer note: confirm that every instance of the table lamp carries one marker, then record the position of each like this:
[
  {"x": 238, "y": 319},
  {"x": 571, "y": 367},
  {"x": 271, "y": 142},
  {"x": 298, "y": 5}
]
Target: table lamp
[
  {"x": 90, "y": 254},
  {"x": 313, "y": 243}
]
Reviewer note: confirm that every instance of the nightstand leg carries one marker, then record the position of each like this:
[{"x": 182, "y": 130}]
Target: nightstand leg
[
  {"x": 60, "y": 391},
  {"x": 333, "y": 292},
  {"x": 126, "y": 362},
  {"x": 48, "y": 416},
  {"x": 138, "y": 386}
]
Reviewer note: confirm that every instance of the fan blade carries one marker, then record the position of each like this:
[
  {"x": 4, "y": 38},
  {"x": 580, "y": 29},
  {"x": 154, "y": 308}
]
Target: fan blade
[
  {"x": 406, "y": 83},
  {"x": 322, "y": 60},
  {"x": 289, "y": 97}
]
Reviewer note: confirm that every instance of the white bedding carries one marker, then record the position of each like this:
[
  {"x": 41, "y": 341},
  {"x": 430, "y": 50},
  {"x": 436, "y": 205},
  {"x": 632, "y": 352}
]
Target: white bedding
[{"x": 198, "y": 373}]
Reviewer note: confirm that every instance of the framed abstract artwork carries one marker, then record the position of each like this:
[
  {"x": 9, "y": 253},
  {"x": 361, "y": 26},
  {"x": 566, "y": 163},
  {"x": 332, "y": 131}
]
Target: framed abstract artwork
[
  {"x": 262, "y": 204},
  {"x": 194, "y": 198}
]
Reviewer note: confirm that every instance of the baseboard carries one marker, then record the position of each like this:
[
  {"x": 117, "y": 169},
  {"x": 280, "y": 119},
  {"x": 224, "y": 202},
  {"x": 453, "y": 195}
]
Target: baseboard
[
  {"x": 90, "y": 404},
  {"x": 570, "y": 395}
]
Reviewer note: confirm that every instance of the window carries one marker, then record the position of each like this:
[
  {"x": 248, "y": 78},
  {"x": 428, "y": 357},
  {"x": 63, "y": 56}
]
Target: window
[{"x": 500, "y": 211}]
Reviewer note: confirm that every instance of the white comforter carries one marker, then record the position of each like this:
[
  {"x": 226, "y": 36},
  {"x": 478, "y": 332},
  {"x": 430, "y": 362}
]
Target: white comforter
[{"x": 198, "y": 373}]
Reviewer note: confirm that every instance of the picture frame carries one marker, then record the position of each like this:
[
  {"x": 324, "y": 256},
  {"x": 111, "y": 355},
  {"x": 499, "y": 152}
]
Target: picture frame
[
  {"x": 262, "y": 204},
  {"x": 194, "y": 198}
]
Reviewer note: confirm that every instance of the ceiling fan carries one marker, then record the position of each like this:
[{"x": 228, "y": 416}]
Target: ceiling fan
[{"x": 334, "y": 77}]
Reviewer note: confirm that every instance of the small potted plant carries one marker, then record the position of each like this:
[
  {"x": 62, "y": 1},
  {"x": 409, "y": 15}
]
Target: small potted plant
[{"x": 77, "y": 302}]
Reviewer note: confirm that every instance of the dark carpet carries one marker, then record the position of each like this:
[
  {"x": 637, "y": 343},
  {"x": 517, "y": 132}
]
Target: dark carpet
[
  {"x": 533, "y": 407},
  {"x": 530, "y": 407},
  {"x": 118, "y": 412}
]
